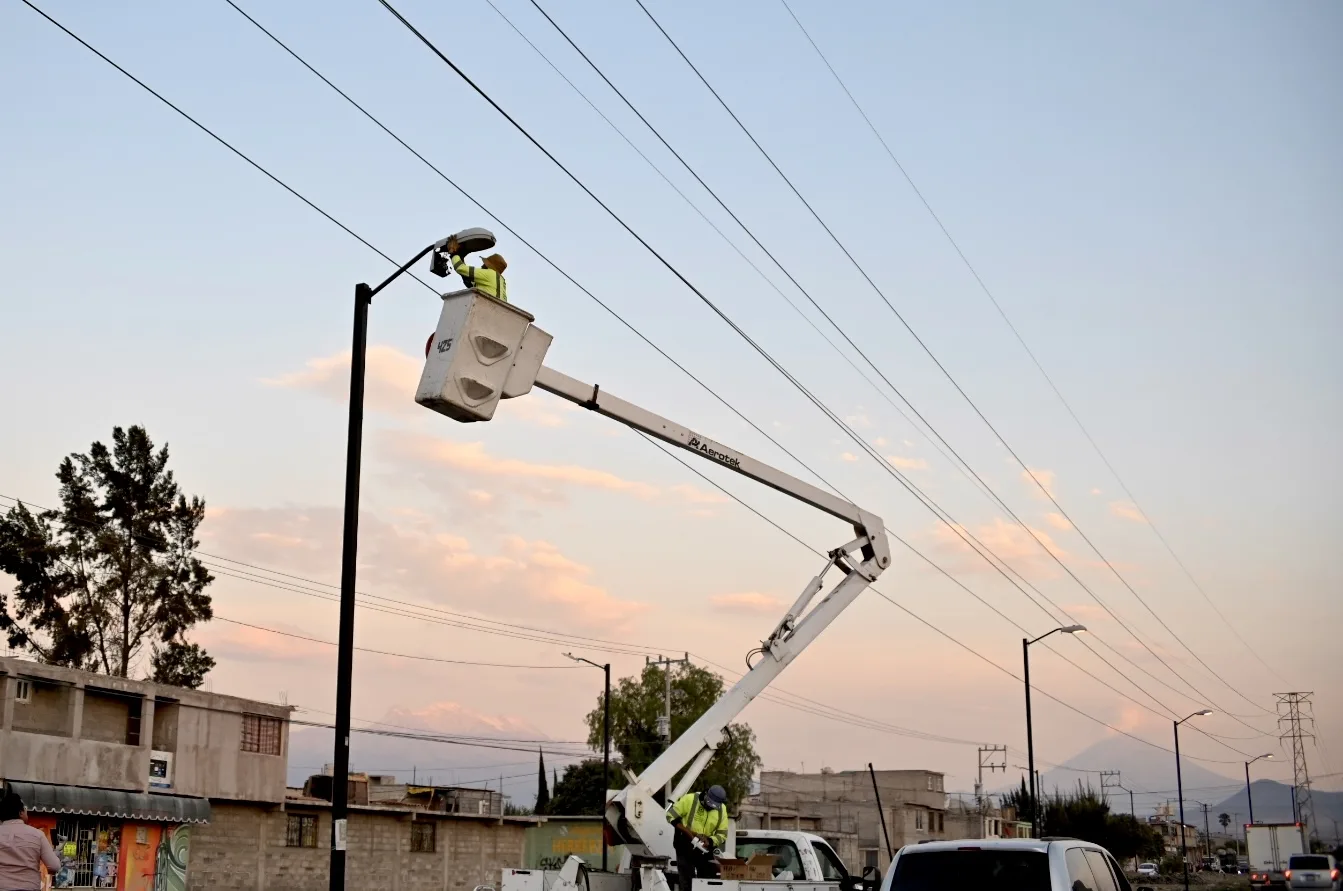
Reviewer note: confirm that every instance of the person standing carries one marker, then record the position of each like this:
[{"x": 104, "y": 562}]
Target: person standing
[
  {"x": 701, "y": 831},
  {"x": 23, "y": 849}
]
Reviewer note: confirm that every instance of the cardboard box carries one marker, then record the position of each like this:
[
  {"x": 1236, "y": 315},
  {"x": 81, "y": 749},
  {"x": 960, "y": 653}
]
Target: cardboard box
[{"x": 760, "y": 868}]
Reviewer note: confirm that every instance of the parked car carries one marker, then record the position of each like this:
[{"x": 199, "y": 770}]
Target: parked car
[
  {"x": 1148, "y": 870},
  {"x": 1017, "y": 864},
  {"x": 1318, "y": 872}
]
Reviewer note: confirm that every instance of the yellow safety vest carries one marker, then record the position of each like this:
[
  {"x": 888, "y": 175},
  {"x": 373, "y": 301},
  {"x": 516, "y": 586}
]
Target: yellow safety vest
[
  {"x": 699, "y": 819},
  {"x": 482, "y": 279}
]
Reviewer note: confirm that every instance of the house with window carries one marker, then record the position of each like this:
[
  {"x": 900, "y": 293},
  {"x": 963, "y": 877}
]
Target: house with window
[
  {"x": 144, "y": 787},
  {"x": 122, "y": 773}
]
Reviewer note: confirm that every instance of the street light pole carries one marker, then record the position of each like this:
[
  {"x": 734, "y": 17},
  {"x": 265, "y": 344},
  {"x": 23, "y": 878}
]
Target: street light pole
[
  {"x": 354, "y": 441},
  {"x": 606, "y": 742},
  {"x": 1030, "y": 737},
  {"x": 1249, "y": 799},
  {"x": 1179, "y": 790}
]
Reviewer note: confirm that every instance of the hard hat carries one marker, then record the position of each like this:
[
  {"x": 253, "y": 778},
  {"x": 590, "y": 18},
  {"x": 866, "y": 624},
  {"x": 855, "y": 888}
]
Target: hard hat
[{"x": 714, "y": 796}]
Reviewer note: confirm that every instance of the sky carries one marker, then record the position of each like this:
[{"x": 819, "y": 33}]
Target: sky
[{"x": 1149, "y": 193}]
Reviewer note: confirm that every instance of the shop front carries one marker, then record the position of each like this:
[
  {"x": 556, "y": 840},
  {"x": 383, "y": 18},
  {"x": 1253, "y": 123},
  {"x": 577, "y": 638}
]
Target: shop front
[{"x": 126, "y": 841}]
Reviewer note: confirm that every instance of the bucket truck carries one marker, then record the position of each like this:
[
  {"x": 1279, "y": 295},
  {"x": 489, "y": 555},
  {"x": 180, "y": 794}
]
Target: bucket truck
[{"x": 484, "y": 351}]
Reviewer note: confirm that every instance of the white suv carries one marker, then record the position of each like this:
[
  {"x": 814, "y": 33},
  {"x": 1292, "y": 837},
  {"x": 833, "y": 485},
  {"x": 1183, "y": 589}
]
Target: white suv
[
  {"x": 1018, "y": 864},
  {"x": 1318, "y": 872}
]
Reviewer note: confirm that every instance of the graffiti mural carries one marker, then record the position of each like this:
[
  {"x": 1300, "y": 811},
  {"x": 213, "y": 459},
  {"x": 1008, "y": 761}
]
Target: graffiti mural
[{"x": 170, "y": 872}]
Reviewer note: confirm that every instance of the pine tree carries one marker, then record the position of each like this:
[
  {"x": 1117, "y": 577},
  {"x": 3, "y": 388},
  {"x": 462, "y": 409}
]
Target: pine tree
[{"x": 542, "y": 793}]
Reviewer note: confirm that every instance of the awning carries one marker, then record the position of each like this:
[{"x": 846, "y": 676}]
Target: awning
[{"x": 44, "y": 798}]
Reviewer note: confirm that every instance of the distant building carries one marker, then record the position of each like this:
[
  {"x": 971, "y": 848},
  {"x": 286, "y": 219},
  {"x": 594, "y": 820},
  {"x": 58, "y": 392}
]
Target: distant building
[
  {"x": 841, "y": 806},
  {"x": 1168, "y": 824}
]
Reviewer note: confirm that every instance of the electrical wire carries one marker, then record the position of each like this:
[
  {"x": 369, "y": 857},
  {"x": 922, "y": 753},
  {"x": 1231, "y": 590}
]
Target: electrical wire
[
  {"x": 1254, "y": 651},
  {"x": 962, "y": 466},
  {"x": 329, "y": 643},
  {"x": 418, "y": 155},
  {"x": 343, "y": 227},
  {"x": 1043, "y": 488}
]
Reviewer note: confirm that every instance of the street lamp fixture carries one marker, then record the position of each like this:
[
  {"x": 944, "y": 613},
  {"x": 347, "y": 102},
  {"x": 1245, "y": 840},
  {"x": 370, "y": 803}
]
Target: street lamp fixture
[
  {"x": 1030, "y": 739},
  {"x": 1179, "y": 786},
  {"x": 606, "y": 741},
  {"x": 1248, "y": 797},
  {"x": 354, "y": 443}
]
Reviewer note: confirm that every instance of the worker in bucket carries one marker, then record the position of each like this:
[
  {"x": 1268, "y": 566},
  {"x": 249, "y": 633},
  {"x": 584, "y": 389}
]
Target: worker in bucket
[
  {"x": 488, "y": 279},
  {"x": 701, "y": 822}
]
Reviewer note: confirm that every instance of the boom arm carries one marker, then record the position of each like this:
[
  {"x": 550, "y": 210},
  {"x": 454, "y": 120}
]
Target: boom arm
[
  {"x": 485, "y": 350},
  {"x": 633, "y": 812}
]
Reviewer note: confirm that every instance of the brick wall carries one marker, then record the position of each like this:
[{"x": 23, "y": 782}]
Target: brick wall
[{"x": 243, "y": 848}]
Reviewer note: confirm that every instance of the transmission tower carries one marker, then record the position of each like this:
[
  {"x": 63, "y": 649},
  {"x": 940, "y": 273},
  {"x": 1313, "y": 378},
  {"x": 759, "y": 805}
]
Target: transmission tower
[{"x": 1296, "y": 718}]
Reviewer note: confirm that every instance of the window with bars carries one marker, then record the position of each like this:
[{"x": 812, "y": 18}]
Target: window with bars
[
  {"x": 301, "y": 831},
  {"x": 261, "y": 734},
  {"x": 423, "y": 838}
]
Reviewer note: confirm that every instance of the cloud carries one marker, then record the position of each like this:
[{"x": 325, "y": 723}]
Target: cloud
[
  {"x": 1127, "y": 510},
  {"x": 752, "y": 602},
  {"x": 848, "y": 457},
  {"x": 229, "y": 641},
  {"x": 1095, "y": 491},
  {"x": 1012, "y": 543},
  {"x": 859, "y": 419},
  {"x": 1045, "y": 478},
  {"x": 907, "y": 463},
  {"x": 410, "y": 558},
  {"x": 391, "y": 378},
  {"x": 537, "y": 480},
  {"x": 1058, "y": 521},
  {"x": 693, "y": 495},
  {"x": 880, "y": 442}
]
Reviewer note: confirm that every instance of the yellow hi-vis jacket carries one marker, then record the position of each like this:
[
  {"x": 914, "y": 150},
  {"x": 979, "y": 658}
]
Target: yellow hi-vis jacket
[
  {"x": 691, "y": 813},
  {"x": 482, "y": 279}
]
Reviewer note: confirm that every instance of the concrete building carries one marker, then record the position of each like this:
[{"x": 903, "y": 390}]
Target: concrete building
[
  {"x": 143, "y": 787},
  {"x": 1168, "y": 824},
  {"x": 841, "y": 807}
]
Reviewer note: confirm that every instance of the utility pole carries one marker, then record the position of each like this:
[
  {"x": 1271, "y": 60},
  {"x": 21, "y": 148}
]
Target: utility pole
[
  {"x": 988, "y": 760},
  {"x": 1207, "y": 832},
  {"x": 1296, "y": 717},
  {"x": 1110, "y": 779},
  {"x": 664, "y": 723}
]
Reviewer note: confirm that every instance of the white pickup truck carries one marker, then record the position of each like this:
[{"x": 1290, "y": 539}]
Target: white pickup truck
[{"x": 802, "y": 862}]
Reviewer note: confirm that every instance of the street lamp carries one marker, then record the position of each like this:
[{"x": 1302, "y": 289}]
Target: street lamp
[
  {"x": 606, "y": 742},
  {"x": 1179, "y": 790},
  {"x": 363, "y": 297},
  {"x": 1030, "y": 741},
  {"x": 1249, "y": 799}
]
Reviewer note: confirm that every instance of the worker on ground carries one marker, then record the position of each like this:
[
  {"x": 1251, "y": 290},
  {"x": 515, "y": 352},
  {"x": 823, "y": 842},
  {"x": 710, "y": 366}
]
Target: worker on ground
[
  {"x": 488, "y": 279},
  {"x": 701, "y": 831},
  {"x": 23, "y": 849}
]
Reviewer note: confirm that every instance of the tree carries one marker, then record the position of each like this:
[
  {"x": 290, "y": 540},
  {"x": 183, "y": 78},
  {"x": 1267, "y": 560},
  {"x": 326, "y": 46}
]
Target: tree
[
  {"x": 580, "y": 792},
  {"x": 1225, "y": 820},
  {"x": 1021, "y": 801},
  {"x": 636, "y": 704},
  {"x": 542, "y": 793},
  {"x": 112, "y": 571},
  {"x": 1082, "y": 814}
]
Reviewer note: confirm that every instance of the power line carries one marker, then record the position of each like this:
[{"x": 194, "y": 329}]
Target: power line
[
  {"x": 940, "y": 443},
  {"x": 1254, "y": 651},
  {"x": 956, "y": 528},
  {"x": 328, "y": 643},
  {"x": 972, "y": 405},
  {"x": 342, "y": 226}
]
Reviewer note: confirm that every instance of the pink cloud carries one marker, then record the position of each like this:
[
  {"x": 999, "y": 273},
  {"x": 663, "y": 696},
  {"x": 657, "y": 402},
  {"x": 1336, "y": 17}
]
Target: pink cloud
[
  {"x": 410, "y": 559},
  {"x": 848, "y": 457},
  {"x": 752, "y": 602},
  {"x": 1009, "y": 541},
  {"x": 1127, "y": 510},
  {"x": 907, "y": 463},
  {"x": 1058, "y": 521},
  {"x": 1045, "y": 479},
  {"x": 226, "y": 640},
  {"x": 472, "y": 458},
  {"x": 391, "y": 378}
]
